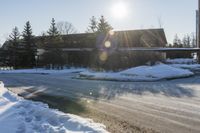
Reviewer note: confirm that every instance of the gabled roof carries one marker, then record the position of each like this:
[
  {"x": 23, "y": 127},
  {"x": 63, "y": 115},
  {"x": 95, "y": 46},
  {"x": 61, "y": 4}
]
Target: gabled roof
[
  {"x": 142, "y": 38},
  {"x": 123, "y": 39}
]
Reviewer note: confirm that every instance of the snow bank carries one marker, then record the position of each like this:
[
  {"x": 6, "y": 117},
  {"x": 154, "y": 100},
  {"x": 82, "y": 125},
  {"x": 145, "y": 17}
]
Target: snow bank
[
  {"x": 160, "y": 71},
  {"x": 142, "y": 73},
  {"x": 181, "y": 61},
  {"x": 192, "y": 67},
  {"x": 190, "y": 64},
  {"x": 42, "y": 71},
  {"x": 23, "y": 116}
]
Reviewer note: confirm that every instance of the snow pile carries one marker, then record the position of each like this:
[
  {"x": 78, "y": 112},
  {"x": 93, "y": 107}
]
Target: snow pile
[
  {"x": 142, "y": 73},
  {"x": 181, "y": 61},
  {"x": 42, "y": 71},
  {"x": 192, "y": 67},
  {"x": 23, "y": 116},
  {"x": 160, "y": 71},
  {"x": 190, "y": 64}
]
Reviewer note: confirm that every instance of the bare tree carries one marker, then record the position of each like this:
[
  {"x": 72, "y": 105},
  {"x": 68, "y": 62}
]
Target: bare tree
[
  {"x": 43, "y": 33},
  {"x": 160, "y": 22},
  {"x": 177, "y": 42},
  {"x": 187, "y": 41},
  {"x": 193, "y": 40},
  {"x": 65, "y": 28}
]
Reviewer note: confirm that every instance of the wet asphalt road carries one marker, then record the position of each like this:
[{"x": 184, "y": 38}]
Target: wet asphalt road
[{"x": 166, "y": 106}]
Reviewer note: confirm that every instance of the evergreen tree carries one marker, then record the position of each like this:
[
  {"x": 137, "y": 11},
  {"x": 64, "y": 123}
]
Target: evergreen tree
[
  {"x": 53, "y": 58},
  {"x": 14, "y": 38},
  {"x": 29, "y": 47},
  {"x": 53, "y": 34},
  {"x": 92, "y": 28},
  {"x": 53, "y": 31},
  {"x": 103, "y": 25}
]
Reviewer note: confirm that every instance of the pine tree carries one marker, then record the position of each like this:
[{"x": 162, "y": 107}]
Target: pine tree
[
  {"x": 53, "y": 34},
  {"x": 92, "y": 28},
  {"x": 29, "y": 46},
  {"x": 14, "y": 38},
  {"x": 53, "y": 56},
  {"x": 103, "y": 25},
  {"x": 53, "y": 31}
]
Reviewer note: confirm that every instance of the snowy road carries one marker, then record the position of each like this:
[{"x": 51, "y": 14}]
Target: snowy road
[{"x": 165, "y": 106}]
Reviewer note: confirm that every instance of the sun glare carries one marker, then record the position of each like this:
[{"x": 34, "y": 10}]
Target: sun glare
[{"x": 119, "y": 10}]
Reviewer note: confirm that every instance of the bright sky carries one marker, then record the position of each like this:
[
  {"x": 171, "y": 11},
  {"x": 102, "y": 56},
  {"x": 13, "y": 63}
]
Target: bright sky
[{"x": 178, "y": 16}]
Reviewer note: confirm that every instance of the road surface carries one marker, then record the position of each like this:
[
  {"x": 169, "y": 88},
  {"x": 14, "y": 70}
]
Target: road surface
[{"x": 165, "y": 106}]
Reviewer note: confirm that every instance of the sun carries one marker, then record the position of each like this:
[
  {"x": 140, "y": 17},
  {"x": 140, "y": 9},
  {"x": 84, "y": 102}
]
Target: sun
[{"x": 119, "y": 10}]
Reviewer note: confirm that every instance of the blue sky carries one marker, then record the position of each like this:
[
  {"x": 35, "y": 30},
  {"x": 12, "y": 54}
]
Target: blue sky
[{"x": 178, "y": 16}]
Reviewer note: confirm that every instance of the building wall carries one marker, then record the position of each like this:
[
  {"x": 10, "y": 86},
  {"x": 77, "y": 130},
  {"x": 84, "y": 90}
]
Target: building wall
[
  {"x": 179, "y": 54},
  {"x": 125, "y": 59},
  {"x": 75, "y": 48}
]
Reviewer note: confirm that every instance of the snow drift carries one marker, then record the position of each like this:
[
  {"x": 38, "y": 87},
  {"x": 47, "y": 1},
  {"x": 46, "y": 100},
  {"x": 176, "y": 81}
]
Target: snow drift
[
  {"x": 181, "y": 61},
  {"x": 192, "y": 67},
  {"x": 42, "y": 71},
  {"x": 18, "y": 115},
  {"x": 142, "y": 73}
]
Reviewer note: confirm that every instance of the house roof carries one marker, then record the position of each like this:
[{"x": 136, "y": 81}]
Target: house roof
[
  {"x": 122, "y": 39},
  {"x": 142, "y": 38}
]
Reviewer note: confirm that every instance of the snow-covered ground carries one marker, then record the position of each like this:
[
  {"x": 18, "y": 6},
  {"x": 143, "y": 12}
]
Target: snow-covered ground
[
  {"x": 181, "y": 61},
  {"x": 43, "y": 71},
  {"x": 142, "y": 73},
  {"x": 190, "y": 64},
  {"x": 176, "y": 68},
  {"x": 192, "y": 67},
  {"x": 167, "y": 106},
  {"x": 18, "y": 115}
]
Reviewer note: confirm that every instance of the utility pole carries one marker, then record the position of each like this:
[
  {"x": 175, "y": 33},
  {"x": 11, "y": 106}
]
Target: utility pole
[
  {"x": 198, "y": 25},
  {"x": 198, "y": 30}
]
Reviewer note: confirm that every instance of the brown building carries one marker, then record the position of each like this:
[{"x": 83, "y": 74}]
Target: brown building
[
  {"x": 106, "y": 50},
  {"x": 110, "y": 50}
]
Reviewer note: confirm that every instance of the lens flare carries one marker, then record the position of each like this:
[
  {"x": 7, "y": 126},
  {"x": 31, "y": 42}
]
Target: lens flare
[
  {"x": 103, "y": 56},
  {"x": 111, "y": 33},
  {"x": 107, "y": 44}
]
